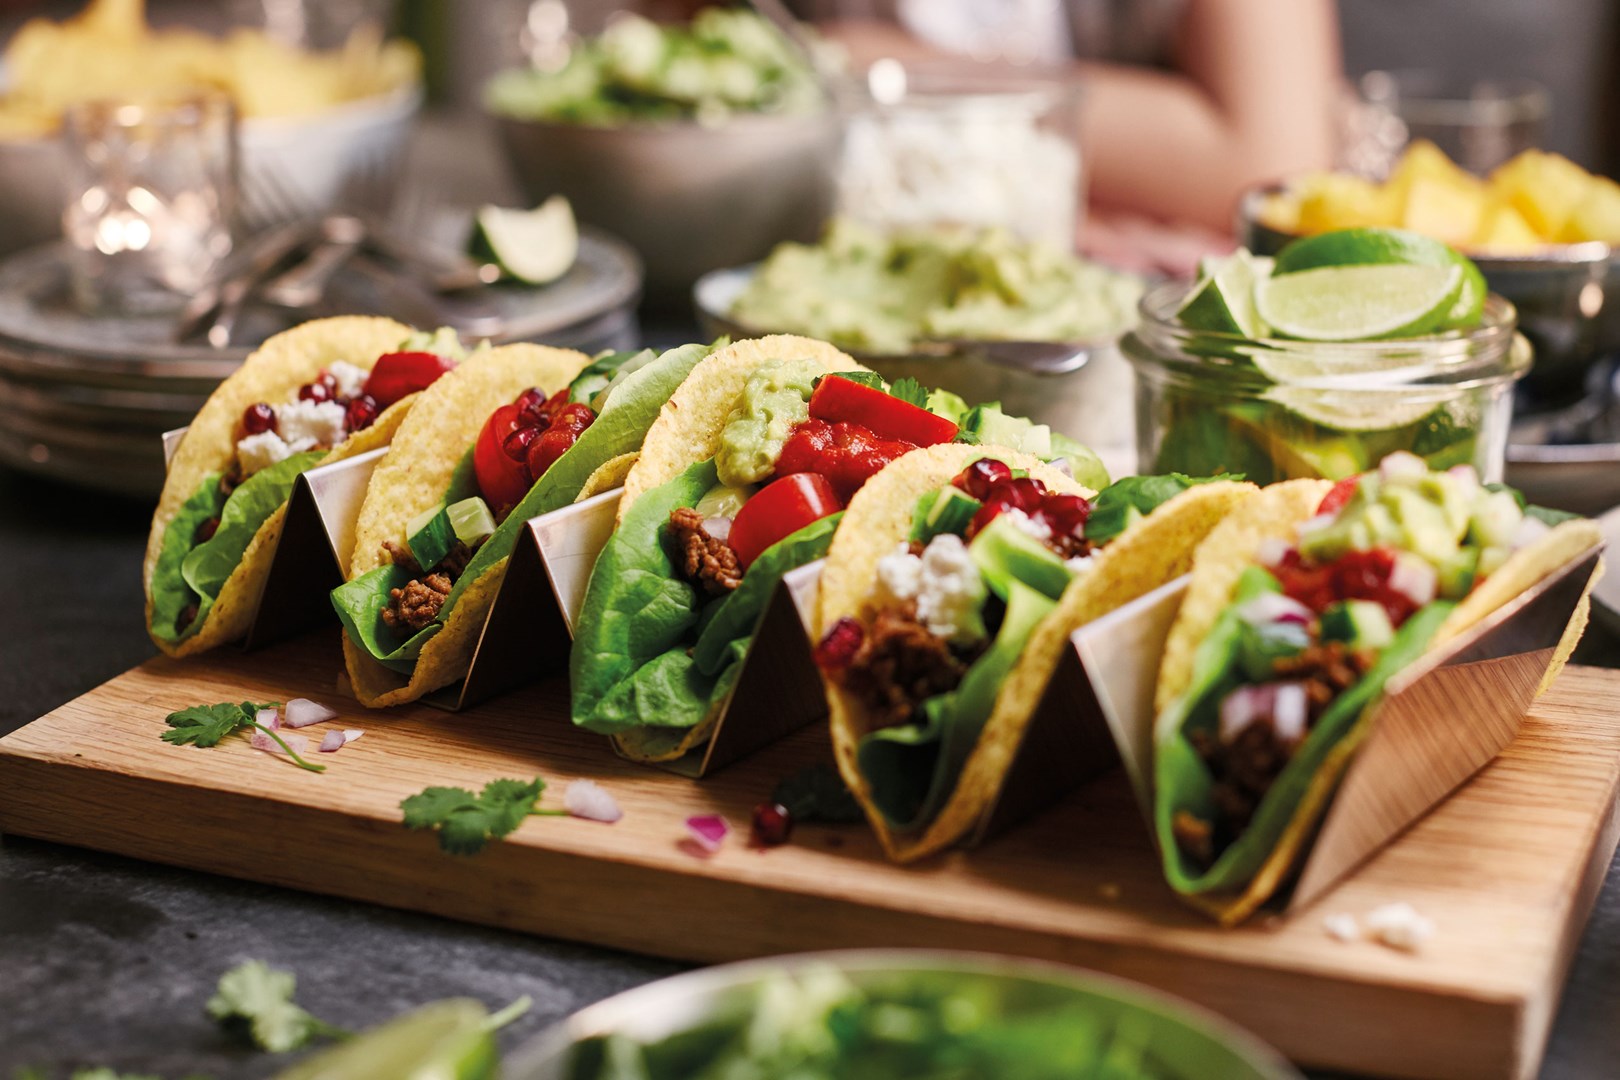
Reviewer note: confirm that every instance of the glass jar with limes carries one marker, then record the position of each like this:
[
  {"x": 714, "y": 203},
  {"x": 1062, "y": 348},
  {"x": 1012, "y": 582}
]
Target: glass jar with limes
[{"x": 1346, "y": 347}]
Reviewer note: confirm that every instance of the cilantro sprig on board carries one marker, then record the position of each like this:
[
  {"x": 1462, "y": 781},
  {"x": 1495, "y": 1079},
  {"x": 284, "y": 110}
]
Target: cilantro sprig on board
[
  {"x": 209, "y": 725},
  {"x": 466, "y": 822}
]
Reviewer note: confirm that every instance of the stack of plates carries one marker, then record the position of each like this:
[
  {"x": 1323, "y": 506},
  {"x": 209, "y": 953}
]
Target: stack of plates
[{"x": 84, "y": 400}]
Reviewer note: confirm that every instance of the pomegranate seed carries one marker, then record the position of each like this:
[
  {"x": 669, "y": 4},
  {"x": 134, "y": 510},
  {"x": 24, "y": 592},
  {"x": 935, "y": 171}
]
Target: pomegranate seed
[
  {"x": 258, "y": 418},
  {"x": 1065, "y": 514},
  {"x": 773, "y": 824},
  {"x": 314, "y": 391},
  {"x": 987, "y": 513},
  {"x": 360, "y": 412},
  {"x": 516, "y": 443},
  {"x": 838, "y": 648},
  {"x": 978, "y": 477},
  {"x": 206, "y": 531},
  {"x": 1024, "y": 492},
  {"x": 532, "y": 398},
  {"x": 187, "y": 616}
]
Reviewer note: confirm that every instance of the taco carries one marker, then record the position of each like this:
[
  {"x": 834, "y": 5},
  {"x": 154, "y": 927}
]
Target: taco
[
  {"x": 318, "y": 393},
  {"x": 742, "y": 479},
  {"x": 948, "y": 597},
  {"x": 510, "y": 435},
  {"x": 1302, "y": 605}
]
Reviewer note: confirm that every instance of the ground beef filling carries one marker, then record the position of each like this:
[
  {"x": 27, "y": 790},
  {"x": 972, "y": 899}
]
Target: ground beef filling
[
  {"x": 416, "y": 604},
  {"x": 899, "y": 665},
  {"x": 707, "y": 563},
  {"x": 1246, "y": 766}
]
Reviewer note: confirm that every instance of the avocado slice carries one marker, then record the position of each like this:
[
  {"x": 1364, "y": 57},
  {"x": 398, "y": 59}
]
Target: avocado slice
[{"x": 1005, "y": 553}]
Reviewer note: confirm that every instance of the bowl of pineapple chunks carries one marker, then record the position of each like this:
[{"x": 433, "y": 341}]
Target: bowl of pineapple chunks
[{"x": 1545, "y": 232}]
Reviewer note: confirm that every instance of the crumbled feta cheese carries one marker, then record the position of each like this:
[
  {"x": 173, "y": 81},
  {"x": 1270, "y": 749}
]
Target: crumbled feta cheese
[
  {"x": 319, "y": 421},
  {"x": 1080, "y": 563},
  {"x": 950, "y": 592},
  {"x": 1040, "y": 530},
  {"x": 351, "y": 380},
  {"x": 899, "y": 574},
  {"x": 255, "y": 452},
  {"x": 1399, "y": 926},
  {"x": 1342, "y": 927}
]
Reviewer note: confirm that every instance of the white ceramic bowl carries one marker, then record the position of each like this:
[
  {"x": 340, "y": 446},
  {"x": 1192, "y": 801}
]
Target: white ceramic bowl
[{"x": 290, "y": 167}]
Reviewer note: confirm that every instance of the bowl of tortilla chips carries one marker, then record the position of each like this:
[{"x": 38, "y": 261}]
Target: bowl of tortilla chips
[{"x": 316, "y": 127}]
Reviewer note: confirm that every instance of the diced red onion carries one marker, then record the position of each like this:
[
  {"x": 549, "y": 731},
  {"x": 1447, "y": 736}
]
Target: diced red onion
[
  {"x": 589, "y": 800},
  {"x": 1285, "y": 704},
  {"x": 270, "y": 718},
  {"x": 302, "y": 712},
  {"x": 708, "y": 831},
  {"x": 352, "y": 733},
  {"x": 1466, "y": 476},
  {"x": 331, "y": 742},
  {"x": 1402, "y": 465},
  {"x": 1290, "y": 711},
  {"x": 1062, "y": 465},
  {"x": 1272, "y": 551},
  {"x": 1320, "y": 521},
  {"x": 261, "y": 741},
  {"x": 1274, "y": 608},
  {"x": 1414, "y": 579},
  {"x": 1529, "y": 531},
  {"x": 718, "y": 528}
]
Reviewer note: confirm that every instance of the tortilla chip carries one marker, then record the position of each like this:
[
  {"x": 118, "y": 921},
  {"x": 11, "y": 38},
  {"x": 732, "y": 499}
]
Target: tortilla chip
[
  {"x": 414, "y": 475},
  {"x": 688, "y": 427},
  {"x": 1274, "y": 512},
  {"x": 272, "y": 373},
  {"x": 608, "y": 475},
  {"x": 879, "y": 518}
]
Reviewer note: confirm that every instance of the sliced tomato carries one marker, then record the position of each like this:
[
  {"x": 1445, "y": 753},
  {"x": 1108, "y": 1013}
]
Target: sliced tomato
[
  {"x": 838, "y": 399},
  {"x": 1338, "y": 495},
  {"x": 400, "y": 374},
  {"x": 503, "y": 479},
  {"x": 781, "y": 508}
]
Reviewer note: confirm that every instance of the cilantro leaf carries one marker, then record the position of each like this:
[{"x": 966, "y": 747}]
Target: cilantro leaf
[
  {"x": 466, "y": 822},
  {"x": 817, "y": 793},
  {"x": 910, "y": 391},
  {"x": 869, "y": 379},
  {"x": 206, "y": 725},
  {"x": 255, "y": 1001}
]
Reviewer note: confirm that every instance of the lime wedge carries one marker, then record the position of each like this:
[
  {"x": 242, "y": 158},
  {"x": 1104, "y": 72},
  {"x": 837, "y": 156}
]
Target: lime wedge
[
  {"x": 1354, "y": 411},
  {"x": 1223, "y": 299},
  {"x": 534, "y": 246},
  {"x": 447, "y": 1040},
  {"x": 1389, "y": 247},
  {"x": 1359, "y": 303}
]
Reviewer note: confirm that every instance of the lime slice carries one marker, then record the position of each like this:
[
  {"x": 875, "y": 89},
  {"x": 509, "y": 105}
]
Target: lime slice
[
  {"x": 1350, "y": 364},
  {"x": 1389, "y": 247},
  {"x": 1223, "y": 299},
  {"x": 447, "y": 1040},
  {"x": 534, "y": 246},
  {"x": 1353, "y": 411},
  {"x": 1359, "y": 303}
]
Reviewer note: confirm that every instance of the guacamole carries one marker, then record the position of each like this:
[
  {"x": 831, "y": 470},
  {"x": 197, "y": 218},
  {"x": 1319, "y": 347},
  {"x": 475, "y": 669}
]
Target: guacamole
[
  {"x": 877, "y": 292},
  {"x": 774, "y": 401}
]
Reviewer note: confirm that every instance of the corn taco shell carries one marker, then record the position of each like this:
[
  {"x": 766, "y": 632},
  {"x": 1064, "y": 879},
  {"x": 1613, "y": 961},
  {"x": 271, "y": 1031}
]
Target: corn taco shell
[
  {"x": 272, "y": 373},
  {"x": 1150, "y": 552},
  {"x": 1273, "y": 846},
  {"x": 431, "y": 444}
]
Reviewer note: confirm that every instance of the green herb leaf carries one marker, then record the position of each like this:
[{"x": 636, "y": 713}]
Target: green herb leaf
[
  {"x": 817, "y": 793},
  {"x": 869, "y": 379},
  {"x": 255, "y": 1002},
  {"x": 910, "y": 391},
  {"x": 466, "y": 822},
  {"x": 206, "y": 725}
]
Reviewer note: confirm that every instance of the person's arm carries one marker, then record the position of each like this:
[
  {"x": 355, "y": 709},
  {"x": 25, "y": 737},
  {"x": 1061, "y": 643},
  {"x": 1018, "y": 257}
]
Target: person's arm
[{"x": 1254, "y": 98}]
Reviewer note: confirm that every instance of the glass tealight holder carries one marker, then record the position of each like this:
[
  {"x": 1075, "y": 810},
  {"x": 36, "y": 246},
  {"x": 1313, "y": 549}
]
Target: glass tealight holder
[{"x": 151, "y": 192}]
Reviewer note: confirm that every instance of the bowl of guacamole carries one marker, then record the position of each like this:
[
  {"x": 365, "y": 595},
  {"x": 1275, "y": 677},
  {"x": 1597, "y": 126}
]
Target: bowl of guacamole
[{"x": 895, "y": 1015}]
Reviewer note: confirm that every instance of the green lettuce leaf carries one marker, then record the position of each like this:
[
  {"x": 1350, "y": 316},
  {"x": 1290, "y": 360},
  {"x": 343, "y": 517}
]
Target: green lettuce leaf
[
  {"x": 359, "y": 605},
  {"x": 1183, "y": 782},
  {"x": 913, "y": 768},
  {"x": 1126, "y": 501},
  {"x": 170, "y": 593},
  {"x": 635, "y": 611},
  {"x": 1084, "y": 464}
]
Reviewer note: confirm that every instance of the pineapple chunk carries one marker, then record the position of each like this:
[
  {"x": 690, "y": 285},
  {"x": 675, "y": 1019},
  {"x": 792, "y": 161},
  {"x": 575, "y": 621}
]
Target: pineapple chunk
[
  {"x": 1280, "y": 212},
  {"x": 1340, "y": 201},
  {"x": 1422, "y": 161},
  {"x": 1503, "y": 230},
  {"x": 1597, "y": 216},
  {"x": 1544, "y": 188},
  {"x": 1444, "y": 209}
]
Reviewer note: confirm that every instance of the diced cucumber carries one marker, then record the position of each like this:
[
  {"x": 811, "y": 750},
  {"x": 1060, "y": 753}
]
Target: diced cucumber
[
  {"x": 949, "y": 510},
  {"x": 1456, "y": 574},
  {"x": 722, "y": 500},
  {"x": 471, "y": 520},
  {"x": 995, "y": 428},
  {"x": 1361, "y": 624},
  {"x": 1496, "y": 518},
  {"x": 1005, "y": 553},
  {"x": 430, "y": 537}
]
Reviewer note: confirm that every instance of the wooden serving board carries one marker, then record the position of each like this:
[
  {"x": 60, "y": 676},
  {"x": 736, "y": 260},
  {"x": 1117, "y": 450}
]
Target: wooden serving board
[{"x": 1507, "y": 868}]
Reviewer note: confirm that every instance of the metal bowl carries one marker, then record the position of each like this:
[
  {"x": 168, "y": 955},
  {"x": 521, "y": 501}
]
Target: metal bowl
[
  {"x": 689, "y": 198},
  {"x": 1183, "y": 1041},
  {"x": 1568, "y": 298},
  {"x": 1082, "y": 389},
  {"x": 290, "y": 167}
]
